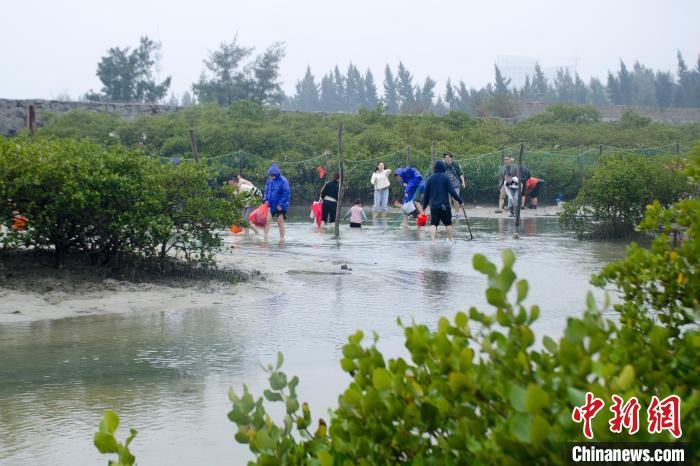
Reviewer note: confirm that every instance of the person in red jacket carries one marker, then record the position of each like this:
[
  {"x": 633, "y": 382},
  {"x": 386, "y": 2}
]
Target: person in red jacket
[{"x": 532, "y": 190}]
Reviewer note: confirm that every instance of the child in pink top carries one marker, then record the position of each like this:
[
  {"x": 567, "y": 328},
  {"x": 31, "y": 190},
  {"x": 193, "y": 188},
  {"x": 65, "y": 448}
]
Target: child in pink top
[{"x": 356, "y": 215}]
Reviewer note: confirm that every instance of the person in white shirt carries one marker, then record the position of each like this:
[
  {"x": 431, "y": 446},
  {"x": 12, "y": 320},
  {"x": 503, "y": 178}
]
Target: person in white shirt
[{"x": 380, "y": 181}]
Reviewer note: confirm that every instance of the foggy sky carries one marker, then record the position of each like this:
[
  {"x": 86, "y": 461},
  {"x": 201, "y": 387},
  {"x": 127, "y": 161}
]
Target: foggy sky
[{"x": 49, "y": 48}]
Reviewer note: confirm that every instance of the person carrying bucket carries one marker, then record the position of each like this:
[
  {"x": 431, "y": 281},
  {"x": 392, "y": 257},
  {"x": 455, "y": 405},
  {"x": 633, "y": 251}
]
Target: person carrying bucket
[
  {"x": 276, "y": 195},
  {"x": 413, "y": 187},
  {"x": 438, "y": 190}
]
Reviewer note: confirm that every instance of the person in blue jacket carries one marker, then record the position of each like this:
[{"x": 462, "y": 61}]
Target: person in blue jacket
[
  {"x": 276, "y": 194},
  {"x": 413, "y": 187},
  {"x": 438, "y": 190}
]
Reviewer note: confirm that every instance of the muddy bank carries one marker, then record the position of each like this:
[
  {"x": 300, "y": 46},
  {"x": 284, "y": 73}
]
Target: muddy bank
[{"x": 30, "y": 290}]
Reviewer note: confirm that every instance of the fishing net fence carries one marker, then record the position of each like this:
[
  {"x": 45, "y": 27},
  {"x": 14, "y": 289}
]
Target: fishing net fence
[{"x": 564, "y": 171}]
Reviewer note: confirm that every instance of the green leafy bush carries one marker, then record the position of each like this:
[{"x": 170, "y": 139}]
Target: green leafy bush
[
  {"x": 110, "y": 204},
  {"x": 616, "y": 192},
  {"x": 266, "y": 135},
  {"x": 106, "y": 442}
]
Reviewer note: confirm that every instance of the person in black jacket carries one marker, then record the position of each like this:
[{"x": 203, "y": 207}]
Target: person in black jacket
[
  {"x": 438, "y": 190},
  {"x": 329, "y": 196}
]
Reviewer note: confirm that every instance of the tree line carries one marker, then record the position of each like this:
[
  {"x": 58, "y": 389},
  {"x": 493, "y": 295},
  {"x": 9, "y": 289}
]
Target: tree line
[{"x": 231, "y": 73}]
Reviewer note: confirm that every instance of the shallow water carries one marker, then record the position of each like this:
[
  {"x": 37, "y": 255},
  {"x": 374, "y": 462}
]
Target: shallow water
[{"x": 167, "y": 374}]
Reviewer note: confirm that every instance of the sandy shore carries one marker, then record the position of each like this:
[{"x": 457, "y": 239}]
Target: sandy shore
[{"x": 31, "y": 291}]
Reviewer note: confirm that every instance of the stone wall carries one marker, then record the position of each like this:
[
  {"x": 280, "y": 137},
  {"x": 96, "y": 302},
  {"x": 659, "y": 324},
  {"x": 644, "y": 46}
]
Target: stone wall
[{"x": 14, "y": 113}]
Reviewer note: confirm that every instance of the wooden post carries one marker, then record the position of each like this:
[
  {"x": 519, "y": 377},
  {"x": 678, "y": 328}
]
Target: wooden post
[
  {"x": 240, "y": 162},
  {"x": 678, "y": 148},
  {"x": 31, "y": 119},
  {"x": 518, "y": 199},
  {"x": 339, "y": 204},
  {"x": 503, "y": 154},
  {"x": 193, "y": 145},
  {"x": 432, "y": 158},
  {"x": 600, "y": 149},
  {"x": 408, "y": 156}
]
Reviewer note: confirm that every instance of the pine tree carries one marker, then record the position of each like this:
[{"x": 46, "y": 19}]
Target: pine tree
[
  {"x": 371, "y": 98},
  {"x": 354, "y": 89},
  {"x": 340, "y": 97},
  {"x": 580, "y": 90},
  {"x": 328, "y": 98},
  {"x": 643, "y": 87},
  {"x": 391, "y": 95},
  {"x": 502, "y": 83},
  {"x": 540, "y": 85},
  {"x": 405, "y": 87},
  {"x": 664, "y": 87},
  {"x": 306, "y": 98},
  {"x": 229, "y": 81},
  {"x": 266, "y": 87},
  {"x": 613, "y": 89},
  {"x": 564, "y": 85},
  {"x": 626, "y": 85},
  {"x": 187, "y": 99},
  {"x": 464, "y": 98},
  {"x": 596, "y": 92},
  {"x": 427, "y": 94},
  {"x": 450, "y": 97},
  {"x": 127, "y": 75}
]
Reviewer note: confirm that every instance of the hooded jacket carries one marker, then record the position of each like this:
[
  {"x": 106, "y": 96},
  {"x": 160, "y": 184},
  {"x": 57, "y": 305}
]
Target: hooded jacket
[
  {"x": 277, "y": 190},
  {"x": 411, "y": 179},
  {"x": 438, "y": 189}
]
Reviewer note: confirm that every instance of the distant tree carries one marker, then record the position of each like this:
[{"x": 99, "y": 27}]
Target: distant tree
[
  {"x": 440, "y": 107},
  {"x": 540, "y": 85},
  {"x": 427, "y": 93},
  {"x": 371, "y": 97},
  {"x": 643, "y": 88},
  {"x": 564, "y": 86},
  {"x": 526, "y": 92},
  {"x": 596, "y": 92},
  {"x": 501, "y": 83},
  {"x": 329, "y": 98},
  {"x": 265, "y": 87},
  {"x": 391, "y": 95},
  {"x": 688, "y": 89},
  {"x": 186, "y": 99},
  {"x": 464, "y": 96},
  {"x": 306, "y": 97},
  {"x": 173, "y": 101},
  {"x": 450, "y": 96},
  {"x": 580, "y": 90},
  {"x": 127, "y": 75},
  {"x": 339, "y": 81},
  {"x": 612, "y": 89},
  {"x": 405, "y": 87},
  {"x": 229, "y": 81},
  {"x": 664, "y": 87},
  {"x": 626, "y": 84},
  {"x": 354, "y": 89}
]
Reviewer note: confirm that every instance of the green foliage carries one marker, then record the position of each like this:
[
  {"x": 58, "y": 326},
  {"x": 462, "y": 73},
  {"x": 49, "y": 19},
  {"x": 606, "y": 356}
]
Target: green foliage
[
  {"x": 110, "y": 204},
  {"x": 629, "y": 119},
  {"x": 479, "y": 390},
  {"x": 615, "y": 193},
  {"x": 106, "y": 442},
  {"x": 568, "y": 113},
  {"x": 127, "y": 75},
  {"x": 287, "y": 138}
]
